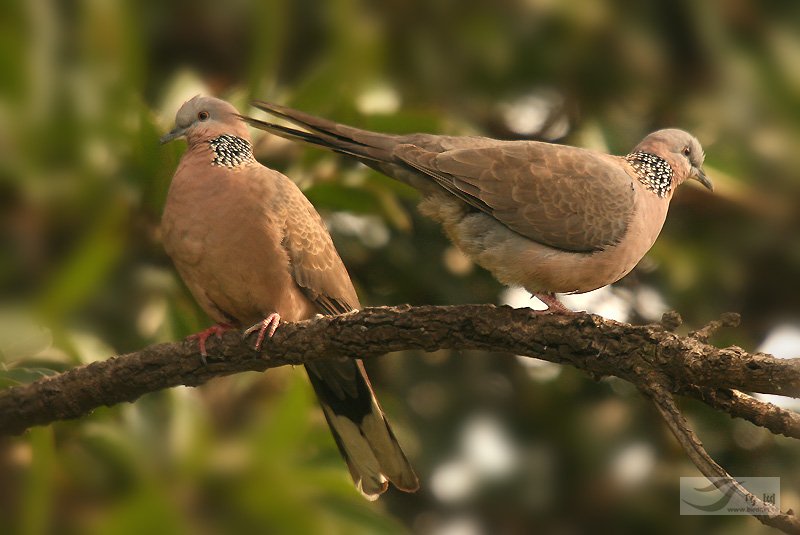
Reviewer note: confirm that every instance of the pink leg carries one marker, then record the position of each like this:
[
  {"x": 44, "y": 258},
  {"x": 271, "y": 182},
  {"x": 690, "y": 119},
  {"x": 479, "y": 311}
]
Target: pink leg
[
  {"x": 265, "y": 327},
  {"x": 214, "y": 330},
  {"x": 554, "y": 306}
]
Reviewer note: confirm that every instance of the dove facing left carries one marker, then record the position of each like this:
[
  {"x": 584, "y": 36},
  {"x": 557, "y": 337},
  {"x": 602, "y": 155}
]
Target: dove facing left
[{"x": 253, "y": 250}]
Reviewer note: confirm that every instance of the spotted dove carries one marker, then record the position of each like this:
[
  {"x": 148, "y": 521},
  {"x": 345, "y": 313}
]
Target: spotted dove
[
  {"x": 252, "y": 250},
  {"x": 550, "y": 218}
]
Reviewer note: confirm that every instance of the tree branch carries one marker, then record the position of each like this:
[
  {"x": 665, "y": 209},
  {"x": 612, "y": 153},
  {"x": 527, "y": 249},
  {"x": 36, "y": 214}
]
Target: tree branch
[
  {"x": 591, "y": 343},
  {"x": 665, "y": 404},
  {"x": 779, "y": 421},
  {"x": 658, "y": 361}
]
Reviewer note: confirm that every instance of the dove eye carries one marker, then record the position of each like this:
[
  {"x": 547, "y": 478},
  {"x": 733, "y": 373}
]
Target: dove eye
[
  {"x": 687, "y": 151},
  {"x": 203, "y": 115}
]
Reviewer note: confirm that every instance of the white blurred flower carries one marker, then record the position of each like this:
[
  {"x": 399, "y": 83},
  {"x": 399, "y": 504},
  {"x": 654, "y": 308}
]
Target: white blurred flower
[
  {"x": 378, "y": 99},
  {"x": 454, "y": 481},
  {"x": 487, "y": 447},
  {"x": 633, "y": 464},
  {"x": 783, "y": 341},
  {"x": 460, "y": 525}
]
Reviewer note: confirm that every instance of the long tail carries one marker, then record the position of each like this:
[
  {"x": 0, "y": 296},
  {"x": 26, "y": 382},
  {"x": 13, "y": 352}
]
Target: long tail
[
  {"x": 370, "y": 147},
  {"x": 373, "y": 149},
  {"x": 359, "y": 427}
]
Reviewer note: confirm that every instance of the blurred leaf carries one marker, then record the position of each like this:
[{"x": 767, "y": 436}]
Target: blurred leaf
[
  {"x": 154, "y": 163},
  {"x": 38, "y": 489},
  {"x": 288, "y": 423},
  {"x": 362, "y": 518},
  {"x": 270, "y": 33},
  {"x": 23, "y": 375},
  {"x": 88, "y": 346},
  {"x": 21, "y": 337},
  {"x": 86, "y": 268},
  {"x": 337, "y": 197},
  {"x": 88, "y": 89},
  {"x": 149, "y": 510}
]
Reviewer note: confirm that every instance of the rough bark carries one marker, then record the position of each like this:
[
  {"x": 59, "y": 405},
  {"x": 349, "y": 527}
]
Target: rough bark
[{"x": 658, "y": 361}]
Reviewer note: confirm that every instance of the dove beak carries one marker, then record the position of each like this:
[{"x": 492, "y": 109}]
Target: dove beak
[
  {"x": 175, "y": 133},
  {"x": 700, "y": 175}
]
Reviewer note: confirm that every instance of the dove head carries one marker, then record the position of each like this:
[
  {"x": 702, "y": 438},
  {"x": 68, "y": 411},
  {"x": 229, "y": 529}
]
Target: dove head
[
  {"x": 205, "y": 118},
  {"x": 666, "y": 158}
]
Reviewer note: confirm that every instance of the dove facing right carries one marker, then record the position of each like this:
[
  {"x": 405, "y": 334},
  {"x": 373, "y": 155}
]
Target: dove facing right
[{"x": 550, "y": 218}]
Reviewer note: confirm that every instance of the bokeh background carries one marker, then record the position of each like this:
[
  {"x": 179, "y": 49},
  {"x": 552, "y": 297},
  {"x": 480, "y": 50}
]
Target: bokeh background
[{"x": 502, "y": 445}]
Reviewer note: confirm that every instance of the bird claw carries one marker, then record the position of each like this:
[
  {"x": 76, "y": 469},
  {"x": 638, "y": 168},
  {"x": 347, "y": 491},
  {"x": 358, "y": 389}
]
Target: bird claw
[
  {"x": 554, "y": 306},
  {"x": 265, "y": 328},
  {"x": 202, "y": 336}
]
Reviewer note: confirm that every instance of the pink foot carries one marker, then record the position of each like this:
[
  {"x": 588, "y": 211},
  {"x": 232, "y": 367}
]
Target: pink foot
[
  {"x": 553, "y": 304},
  {"x": 202, "y": 336},
  {"x": 265, "y": 327}
]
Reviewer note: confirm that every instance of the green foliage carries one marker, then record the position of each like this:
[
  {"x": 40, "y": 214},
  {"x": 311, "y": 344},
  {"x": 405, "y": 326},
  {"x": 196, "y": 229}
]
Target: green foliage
[{"x": 88, "y": 88}]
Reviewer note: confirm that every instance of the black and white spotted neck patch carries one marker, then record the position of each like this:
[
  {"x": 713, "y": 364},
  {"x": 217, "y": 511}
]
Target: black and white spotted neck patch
[
  {"x": 652, "y": 171},
  {"x": 231, "y": 151}
]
